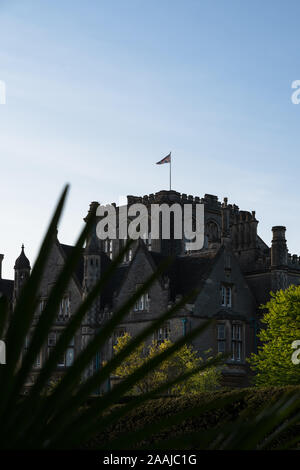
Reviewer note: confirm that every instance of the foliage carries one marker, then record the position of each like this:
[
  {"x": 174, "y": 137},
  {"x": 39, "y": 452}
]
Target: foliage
[
  {"x": 273, "y": 363},
  {"x": 61, "y": 419},
  {"x": 183, "y": 360},
  {"x": 244, "y": 406}
]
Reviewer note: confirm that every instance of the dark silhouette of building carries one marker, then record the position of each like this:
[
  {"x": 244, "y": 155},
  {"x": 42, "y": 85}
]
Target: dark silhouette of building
[{"x": 234, "y": 273}]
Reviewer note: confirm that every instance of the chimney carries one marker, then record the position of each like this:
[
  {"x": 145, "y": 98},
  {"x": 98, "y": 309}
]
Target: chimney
[
  {"x": 279, "y": 250},
  {"x": 1, "y": 259},
  {"x": 225, "y": 213}
]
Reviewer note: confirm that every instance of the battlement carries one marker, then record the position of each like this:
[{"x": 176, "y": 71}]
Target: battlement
[
  {"x": 161, "y": 197},
  {"x": 294, "y": 261},
  {"x": 171, "y": 197}
]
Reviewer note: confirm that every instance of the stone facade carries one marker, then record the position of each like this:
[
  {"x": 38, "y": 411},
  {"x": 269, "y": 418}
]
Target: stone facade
[{"x": 234, "y": 273}]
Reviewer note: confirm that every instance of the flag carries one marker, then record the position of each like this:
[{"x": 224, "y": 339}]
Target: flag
[{"x": 167, "y": 159}]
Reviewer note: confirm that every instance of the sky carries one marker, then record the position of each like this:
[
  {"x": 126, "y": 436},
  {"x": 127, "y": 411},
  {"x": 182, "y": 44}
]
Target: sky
[{"x": 98, "y": 91}]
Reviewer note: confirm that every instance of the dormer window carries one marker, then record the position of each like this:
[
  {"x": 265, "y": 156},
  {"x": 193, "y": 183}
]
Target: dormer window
[
  {"x": 64, "y": 309},
  {"x": 226, "y": 296},
  {"x": 142, "y": 303}
]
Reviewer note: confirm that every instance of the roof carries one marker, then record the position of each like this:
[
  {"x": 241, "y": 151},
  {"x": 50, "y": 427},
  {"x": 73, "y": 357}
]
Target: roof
[
  {"x": 112, "y": 285},
  {"x": 67, "y": 249},
  {"x": 185, "y": 272},
  {"x": 22, "y": 262},
  {"x": 191, "y": 271}
]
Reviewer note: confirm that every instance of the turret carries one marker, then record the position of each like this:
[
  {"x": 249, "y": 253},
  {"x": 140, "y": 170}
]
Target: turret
[
  {"x": 92, "y": 265},
  {"x": 22, "y": 273}
]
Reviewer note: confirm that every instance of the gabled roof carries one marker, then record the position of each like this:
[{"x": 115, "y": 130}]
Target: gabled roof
[
  {"x": 112, "y": 285},
  {"x": 185, "y": 272},
  {"x": 191, "y": 271},
  {"x": 67, "y": 250}
]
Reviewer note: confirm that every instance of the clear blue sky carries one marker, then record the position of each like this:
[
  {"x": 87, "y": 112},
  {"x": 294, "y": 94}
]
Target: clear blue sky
[{"x": 98, "y": 91}]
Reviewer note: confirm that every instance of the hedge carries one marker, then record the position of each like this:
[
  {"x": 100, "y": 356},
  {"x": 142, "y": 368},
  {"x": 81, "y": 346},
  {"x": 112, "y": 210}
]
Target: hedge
[{"x": 153, "y": 410}]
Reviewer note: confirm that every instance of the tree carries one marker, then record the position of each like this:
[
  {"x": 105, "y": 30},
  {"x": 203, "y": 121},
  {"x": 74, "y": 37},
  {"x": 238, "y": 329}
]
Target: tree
[
  {"x": 273, "y": 363},
  {"x": 182, "y": 361}
]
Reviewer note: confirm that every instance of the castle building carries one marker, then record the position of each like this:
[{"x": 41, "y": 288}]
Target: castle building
[{"x": 234, "y": 273}]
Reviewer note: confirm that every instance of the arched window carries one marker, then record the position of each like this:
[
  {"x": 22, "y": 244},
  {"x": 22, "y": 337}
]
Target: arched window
[{"x": 212, "y": 232}]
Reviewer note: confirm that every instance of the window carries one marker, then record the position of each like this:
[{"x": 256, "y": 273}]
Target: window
[
  {"x": 61, "y": 361},
  {"x": 163, "y": 333},
  {"x": 37, "y": 361},
  {"x": 128, "y": 256},
  {"x": 41, "y": 305},
  {"x": 64, "y": 309},
  {"x": 52, "y": 342},
  {"x": 108, "y": 248},
  {"x": 187, "y": 242},
  {"x": 52, "y": 339},
  {"x": 142, "y": 303},
  {"x": 147, "y": 240},
  {"x": 70, "y": 354},
  {"x": 221, "y": 338},
  {"x": 84, "y": 340},
  {"x": 236, "y": 342},
  {"x": 226, "y": 296},
  {"x": 67, "y": 358},
  {"x": 212, "y": 232}
]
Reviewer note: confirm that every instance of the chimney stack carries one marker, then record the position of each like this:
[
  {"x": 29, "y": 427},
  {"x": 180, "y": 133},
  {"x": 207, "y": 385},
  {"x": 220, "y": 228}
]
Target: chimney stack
[{"x": 279, "y": 250}]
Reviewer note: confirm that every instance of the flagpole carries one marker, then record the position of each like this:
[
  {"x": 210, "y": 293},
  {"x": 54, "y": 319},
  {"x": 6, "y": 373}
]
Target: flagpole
[{"x": 170, "y": 171}]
